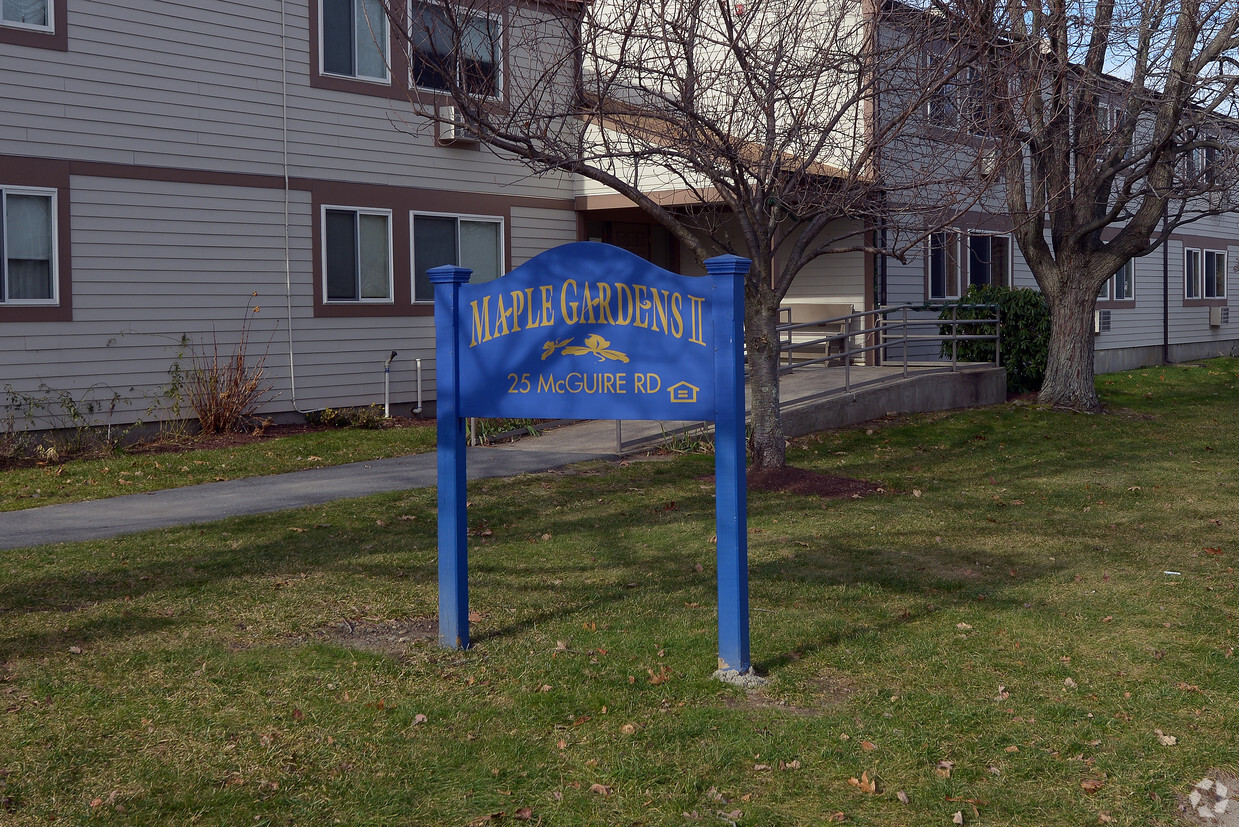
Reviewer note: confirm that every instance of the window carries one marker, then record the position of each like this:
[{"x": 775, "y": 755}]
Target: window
[
  {"x": 944, "y": 265},
  {"x": 357, "y": 255},
  {"x": 27, "y": 14},
  {"x": 1204, "y": 274},
  {"x": 474, "y": 242},
  {"x": 1121, "y": 286},
  {"x": 943, "y": 107},
  {"x": 27, "y": 246},
  {"x": 354, "y": 39},
  {"x": 959, "y": 260},
  {"x": 440, "y": 60},
  {"x": 989, "y": 260}
]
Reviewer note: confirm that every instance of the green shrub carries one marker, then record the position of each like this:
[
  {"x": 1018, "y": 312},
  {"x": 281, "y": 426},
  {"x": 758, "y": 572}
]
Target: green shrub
[{"x": 1025, "y": 332}]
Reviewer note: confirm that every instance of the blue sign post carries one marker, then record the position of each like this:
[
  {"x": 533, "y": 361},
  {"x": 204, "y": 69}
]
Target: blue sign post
[{"x": 590, "y": 331}]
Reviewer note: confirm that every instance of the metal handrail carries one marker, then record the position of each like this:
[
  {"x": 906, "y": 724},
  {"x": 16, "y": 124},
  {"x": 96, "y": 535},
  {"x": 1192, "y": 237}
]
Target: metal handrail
[{"x": 897, "y": 334}]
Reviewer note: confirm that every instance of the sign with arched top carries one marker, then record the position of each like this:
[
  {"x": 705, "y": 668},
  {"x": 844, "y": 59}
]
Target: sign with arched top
[{"x": 591, "y": 331}]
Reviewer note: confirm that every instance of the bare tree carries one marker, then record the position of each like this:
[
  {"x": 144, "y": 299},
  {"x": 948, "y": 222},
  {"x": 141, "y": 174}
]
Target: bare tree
[
  {"x": 741, "y": 126},
  {"x": 1118, "y": 118}
]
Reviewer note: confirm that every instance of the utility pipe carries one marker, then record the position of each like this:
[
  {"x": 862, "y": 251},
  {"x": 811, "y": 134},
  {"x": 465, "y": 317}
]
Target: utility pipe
[{"x": 387, "y": 386}]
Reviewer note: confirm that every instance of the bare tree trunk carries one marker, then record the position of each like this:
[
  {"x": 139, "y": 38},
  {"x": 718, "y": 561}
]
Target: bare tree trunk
[
  {"x": 1069, "y": 367},
  {"x": 768, "y": 443}
]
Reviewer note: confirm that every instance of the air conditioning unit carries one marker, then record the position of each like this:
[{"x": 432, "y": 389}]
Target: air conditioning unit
[
  {"x": 1219, "y": 316},
  {"x": 1101, "y": 321},
  {"x": 451, "y": 128}
]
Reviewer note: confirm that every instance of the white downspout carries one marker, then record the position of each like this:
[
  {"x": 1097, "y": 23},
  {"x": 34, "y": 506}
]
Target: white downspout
[{"x": 288, "y": 271}]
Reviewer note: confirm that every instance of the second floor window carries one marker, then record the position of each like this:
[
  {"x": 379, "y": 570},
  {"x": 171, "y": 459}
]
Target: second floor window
[
  {"x": 34, "y": 14},
  {"x": 463, "y": 52},
  {"x": 354, "y": 39}
]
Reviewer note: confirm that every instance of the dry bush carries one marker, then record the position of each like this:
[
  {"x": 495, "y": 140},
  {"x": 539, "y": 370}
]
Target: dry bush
[{"x": 225, "y": 387}]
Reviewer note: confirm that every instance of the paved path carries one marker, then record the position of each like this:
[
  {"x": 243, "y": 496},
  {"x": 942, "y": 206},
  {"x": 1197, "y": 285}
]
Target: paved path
[{"x": 580, "y": 442}]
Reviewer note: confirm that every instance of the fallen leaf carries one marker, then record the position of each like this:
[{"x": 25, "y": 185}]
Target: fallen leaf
[
  {"x": 1104, "y": 818},
  {"x": 763, "y": 768},
  {"x": 963, "y": 627},
  {"x": 1070, "y": 684},
  {"x": 864, "y": 783},
  {"x": 790, "y": 765},
  {"x": 902, "y": 796},
  {"x": 1091, "y": 785},
  {"x": 958, "y": 817},
  {"x": 628, "y": 729},
  {"x": 600, "y": 789},
  {"x": 523, "y": 814},
  {"x": 419, "y": 718},
  {"x": 734, "y": 815},
  {"x": 482, "y": 821},
  {"x": 75, "y": 650},
  {"x": 838, "y": 818},
  {"x": 868, "y": 746},
  {"x": 1214, "y": 551},
  {"x": 1012, "y": 748},
  {"x": 1165, "y": 740},
  {"x": 943, "y": 770}
]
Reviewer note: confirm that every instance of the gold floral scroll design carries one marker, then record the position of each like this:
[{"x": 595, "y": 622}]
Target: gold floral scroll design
[{"x": 595, "y": 345}]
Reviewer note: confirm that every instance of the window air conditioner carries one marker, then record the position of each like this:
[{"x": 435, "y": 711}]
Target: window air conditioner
[
  {"x": 452, "y": 129},
  {"x": 1219, "y": 316},
  {"x": 1101, "y": 321}
]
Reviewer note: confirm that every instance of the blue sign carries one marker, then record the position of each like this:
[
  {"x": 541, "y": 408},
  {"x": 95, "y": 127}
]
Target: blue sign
[{"x": 590, "y": 331}]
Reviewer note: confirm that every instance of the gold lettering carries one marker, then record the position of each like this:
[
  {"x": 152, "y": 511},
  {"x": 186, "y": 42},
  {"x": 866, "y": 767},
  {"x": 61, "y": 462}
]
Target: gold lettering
[
  {"x": 547, "y": 316},
  {"x": 661, "y": 298},
  {"x": 697, "y": 320},
  {"x": 546, "y": 384},
  {"x": 642, "y": 304},
  {"x": 501, "y": 317},
  {"x": 587, "y": 305},
  {"x": 481, "y": 322},
  {"x": 604, "y": 303},
  {"x": 530, "y": 321},
  {"x": 623, "y": 298},
  {"x": 564, "y": 304},
  {"x": 518, "y": 305},
  {"x": 677, "y": 320},
  {"x": 638, "y": 383}
]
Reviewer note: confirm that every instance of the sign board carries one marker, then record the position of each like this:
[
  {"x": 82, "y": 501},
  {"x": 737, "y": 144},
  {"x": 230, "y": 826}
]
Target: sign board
[{"x": 591, "y": 331}]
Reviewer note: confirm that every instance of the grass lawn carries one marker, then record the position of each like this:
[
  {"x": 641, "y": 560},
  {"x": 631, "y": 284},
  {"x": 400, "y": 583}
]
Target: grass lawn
[
  {"x": 126, "y": 472},
  {"x": 997, "y": 635}
]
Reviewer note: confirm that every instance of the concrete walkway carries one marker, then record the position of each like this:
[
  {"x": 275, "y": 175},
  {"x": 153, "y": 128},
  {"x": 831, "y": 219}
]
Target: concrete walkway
[{"x": 814, "y": 399}]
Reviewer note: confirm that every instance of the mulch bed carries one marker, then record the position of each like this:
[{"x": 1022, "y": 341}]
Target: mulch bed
[{"x": 811, "y": 483}]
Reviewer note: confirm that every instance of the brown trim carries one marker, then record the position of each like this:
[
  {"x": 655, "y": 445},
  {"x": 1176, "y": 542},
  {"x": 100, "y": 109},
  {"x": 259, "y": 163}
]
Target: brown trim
[
  {"x": 38, "y": 172},
  {"x": 402, "y": 201},
  {"x": 57, "y": 40},
  {"x": 1116, "y": 304},
  {"x": 665, "y": 198},
  {"x": 174, "y": 175}
]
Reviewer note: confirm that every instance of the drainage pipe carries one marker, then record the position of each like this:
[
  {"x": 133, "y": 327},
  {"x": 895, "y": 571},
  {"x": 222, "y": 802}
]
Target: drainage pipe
[
  {"x": 418, "y": 409},
  {"x": 387, "y": 386}
]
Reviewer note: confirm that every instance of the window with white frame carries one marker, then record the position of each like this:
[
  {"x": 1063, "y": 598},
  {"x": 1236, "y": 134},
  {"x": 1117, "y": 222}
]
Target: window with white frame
[
  {"x": 942, "y": 109},
  {"x": 1121, "y": 286},
  {"x": 357, "y": 255},
  {"x": 1204, "y": 274},
  {"x": 27, "y": 14},
  {"x": 354, "y": 39},
  {"x": 475, "y": 242},
  {"x": 27, "y": 246},
  {"x": 463, "y": 50}
]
